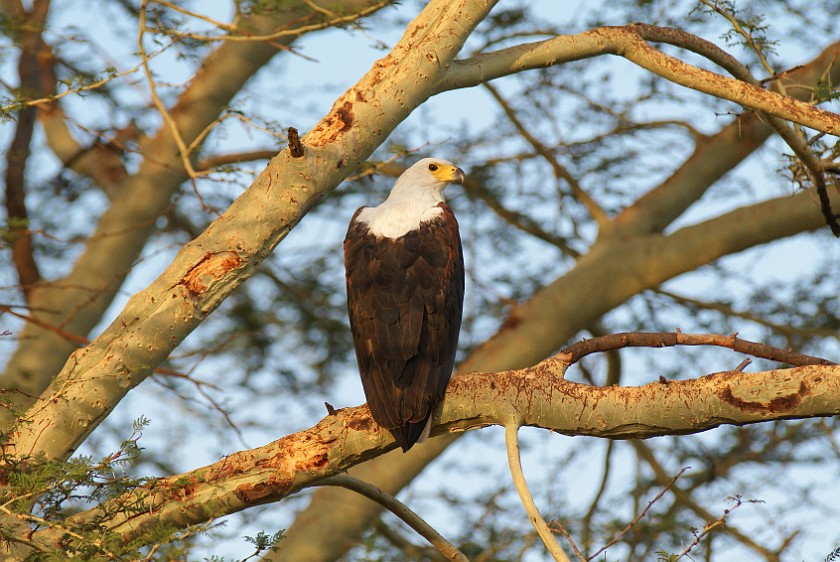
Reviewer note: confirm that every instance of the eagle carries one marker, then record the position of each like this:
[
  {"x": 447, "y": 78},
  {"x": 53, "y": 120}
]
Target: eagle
[{"x": 405, "y": 296}]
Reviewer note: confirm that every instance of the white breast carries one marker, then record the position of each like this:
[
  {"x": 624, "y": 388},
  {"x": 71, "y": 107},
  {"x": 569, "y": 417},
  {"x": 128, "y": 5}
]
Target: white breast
[{"x": 393, "y": 220}]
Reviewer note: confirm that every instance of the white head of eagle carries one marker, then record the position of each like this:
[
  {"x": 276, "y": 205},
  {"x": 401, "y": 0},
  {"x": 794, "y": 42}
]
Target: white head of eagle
[{"x": 405, "y": 295}]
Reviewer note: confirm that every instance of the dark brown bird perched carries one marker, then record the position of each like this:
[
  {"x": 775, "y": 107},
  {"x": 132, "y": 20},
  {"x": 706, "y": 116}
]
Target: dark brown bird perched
[{"x": 405, "y": 295}]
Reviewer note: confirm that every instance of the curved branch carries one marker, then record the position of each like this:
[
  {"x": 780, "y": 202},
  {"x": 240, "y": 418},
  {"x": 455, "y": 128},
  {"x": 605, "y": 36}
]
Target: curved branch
[
  {"x": 398, "y": 508},
  {"x": 628, "y": 42},
  {"x": 581, "y": 349},
  {"x": 537, "y": 520},
  {"x": 544, "y": 323}
]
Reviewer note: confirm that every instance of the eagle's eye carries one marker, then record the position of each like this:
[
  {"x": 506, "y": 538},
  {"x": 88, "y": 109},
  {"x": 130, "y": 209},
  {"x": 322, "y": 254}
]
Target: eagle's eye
[{"x": 433, "y": 167}]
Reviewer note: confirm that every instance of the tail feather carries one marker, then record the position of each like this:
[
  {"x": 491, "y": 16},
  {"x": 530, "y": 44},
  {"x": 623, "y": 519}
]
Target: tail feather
[{"x": 412, "y": 432}]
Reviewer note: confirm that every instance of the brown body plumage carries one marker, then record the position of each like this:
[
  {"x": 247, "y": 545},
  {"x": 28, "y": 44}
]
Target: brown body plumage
[{"x": 405, "y": 290}]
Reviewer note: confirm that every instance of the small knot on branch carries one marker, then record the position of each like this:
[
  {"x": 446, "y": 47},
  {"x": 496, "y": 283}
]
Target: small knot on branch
[{"x": 295, "y": 146}]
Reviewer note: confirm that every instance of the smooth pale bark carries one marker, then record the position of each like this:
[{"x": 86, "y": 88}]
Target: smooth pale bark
[
  {"x": 76, "y": 302},
  {"x": 627, "y": 42},
  {"x": 538, "y": 396},
  {"x": 207, "y": 269}
]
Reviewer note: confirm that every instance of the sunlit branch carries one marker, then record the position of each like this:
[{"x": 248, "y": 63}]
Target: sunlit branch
[
  {"x": 793, "y": 138},
  {"x": 628, "y": 43},
  {"x": 537, "y": 520},
  {"x": 539, "y": 394}
]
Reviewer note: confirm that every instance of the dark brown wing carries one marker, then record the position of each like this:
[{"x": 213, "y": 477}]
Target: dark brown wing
[{"x": 405, "y": 298}]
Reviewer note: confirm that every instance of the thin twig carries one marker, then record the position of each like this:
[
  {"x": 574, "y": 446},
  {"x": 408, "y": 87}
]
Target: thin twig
[
  {"x": 641, "y": 514},
  {"x": 399, "y": 509},
  {"x": 512, "y": 442},
  {"x": 586, "y": 523},
  {"x": 341, "y": 20},
  {"x": 577, "y": 351},
  {"x": 183, "y": 150},
  {"x": 560, "y": 172},
  {"x": 555, "y": 525},
  {"x": 710, "y": 526},
  {"x": 208, "y": 19}
]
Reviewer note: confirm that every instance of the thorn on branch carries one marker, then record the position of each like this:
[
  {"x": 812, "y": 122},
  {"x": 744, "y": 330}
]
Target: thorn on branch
[
  {"x": 743, "y": 365},
  {"x": 295, "y": 146}
]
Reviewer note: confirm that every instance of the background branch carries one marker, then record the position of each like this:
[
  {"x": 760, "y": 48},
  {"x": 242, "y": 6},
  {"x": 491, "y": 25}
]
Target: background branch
[{"x": 399, "y": 509}]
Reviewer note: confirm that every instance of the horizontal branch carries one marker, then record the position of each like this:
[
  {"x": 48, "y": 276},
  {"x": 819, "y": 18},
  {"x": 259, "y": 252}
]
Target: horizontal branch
[
  {"x": 579, "y": 350},
  {"x": 538, "y": 395},
  {"x": 628, "y": 42}
]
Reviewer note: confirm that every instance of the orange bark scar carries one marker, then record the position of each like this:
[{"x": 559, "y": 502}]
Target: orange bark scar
[
  {"x": 775, "y": 406},
  {"x": 274, "y": 487},
  {"x": 339, "y": 120},
  {"x": 212, "y": 267}
]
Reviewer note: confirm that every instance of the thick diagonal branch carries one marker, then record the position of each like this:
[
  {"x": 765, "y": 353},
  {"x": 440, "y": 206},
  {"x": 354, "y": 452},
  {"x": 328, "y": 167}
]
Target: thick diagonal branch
[
  {"x": 207, "y": 269},
  {"x": 77, "y": 302}
]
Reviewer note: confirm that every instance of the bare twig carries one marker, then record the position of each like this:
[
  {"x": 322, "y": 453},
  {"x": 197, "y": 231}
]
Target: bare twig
[
  {"x": 399, "y": 509},
  {"x": 577, "y": 351},
  {"x": 639, "y": 516},
  {"x": 685, "y": 500},
  {"x": 183, "y": 149},
  {"x": 586, "y": 522},
  {"x": 595, "y": 210},
  {"x": 710, "y": 526},
  {"x": 512, "y": 442},
  {"x": 217, "y": 160},
  {"x": 245, "y": 36}
]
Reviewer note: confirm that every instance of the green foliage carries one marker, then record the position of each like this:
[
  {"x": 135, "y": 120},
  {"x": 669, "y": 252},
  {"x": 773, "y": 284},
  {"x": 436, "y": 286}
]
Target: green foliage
[
  {"x": 664, "y": 556},
  {"x": 264, "y": 542},
  {"x": 75, "y": 502}
]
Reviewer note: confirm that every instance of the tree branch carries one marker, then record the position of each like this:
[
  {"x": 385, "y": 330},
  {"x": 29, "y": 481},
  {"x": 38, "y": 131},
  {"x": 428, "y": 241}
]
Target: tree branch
[
  {"x": 538, "y": 394},
  {"x": 546, "y": 321},
  {"x": 534, "y": 516},
  {"x": 627, "y": 42},
  {"x": 32, "y": 48},
  {"x": 395, "y": 506},
  {"x": 581, "y": 349}
]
